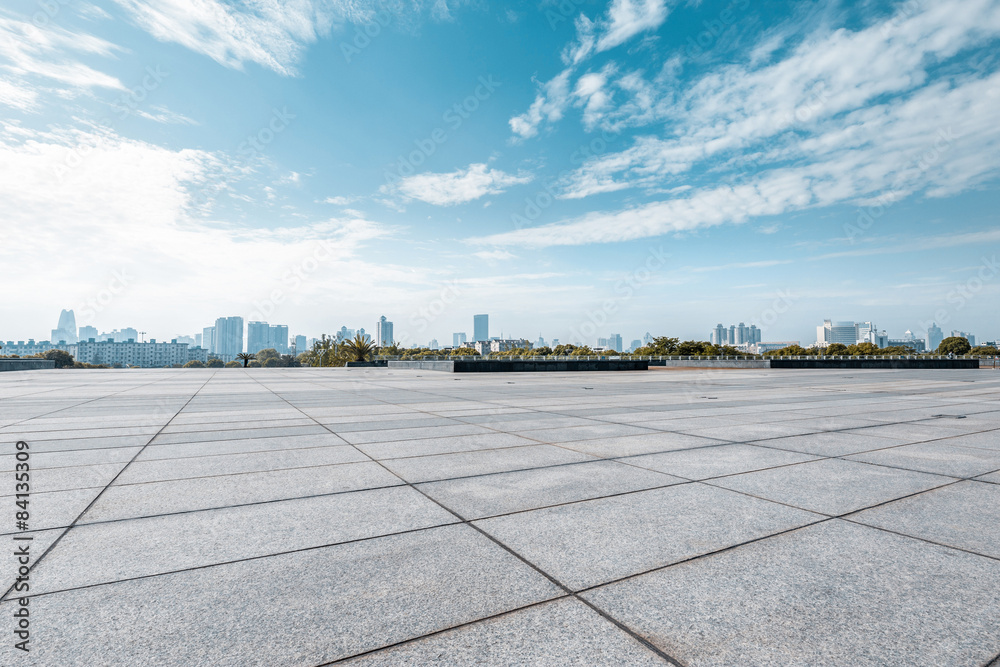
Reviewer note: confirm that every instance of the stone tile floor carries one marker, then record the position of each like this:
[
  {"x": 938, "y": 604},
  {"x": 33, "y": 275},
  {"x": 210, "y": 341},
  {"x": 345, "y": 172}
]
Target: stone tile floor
[{"x": 313, "y": 516}]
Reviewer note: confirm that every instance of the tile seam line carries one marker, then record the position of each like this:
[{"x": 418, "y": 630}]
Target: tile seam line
[
  {"x": 100, "y": 493},
  {"x": 921, "y": 539},
  {"x": 649, "y": 646}
]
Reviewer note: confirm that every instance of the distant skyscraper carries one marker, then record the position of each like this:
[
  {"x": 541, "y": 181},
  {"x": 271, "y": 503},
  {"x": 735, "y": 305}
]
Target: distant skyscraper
[
  {"x": 277, "y": 338},
  {"x": 615, "y": 342},
  {"x": 481, "y": 327},
  {"x": 457, "y": 339},
  {"x": 364, "y": 336},
  {"x": 300, "y": 344},
  {"x": 934, "y": 337},
  {"x": 208, "y": 339},
  {"x": 636, "y": 344},
  {"x": 647, "y": 339},
  {"x": 66, "y": 329},
  {"x": 721, "y": 335},
  {"x": 754, "y": 334},
  {"x": 731, "y": 335},
  {"x": 88, "y": 332},
  {"x": 229, "y": 336},
  {"x": 540, "y": 342},
  {"x": 966, "y": 335},
  {"x": 742, "y": 334},
  {"x": 197, "y": 340},
  {"x": 257, "y": 336},
  {"x": 383, "y": 332},
  {"x": 434, "y": 344}
]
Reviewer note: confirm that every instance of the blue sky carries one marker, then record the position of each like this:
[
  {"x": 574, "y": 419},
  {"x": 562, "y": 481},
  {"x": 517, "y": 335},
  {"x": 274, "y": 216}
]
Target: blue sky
[{"x": 574, "y": 169}]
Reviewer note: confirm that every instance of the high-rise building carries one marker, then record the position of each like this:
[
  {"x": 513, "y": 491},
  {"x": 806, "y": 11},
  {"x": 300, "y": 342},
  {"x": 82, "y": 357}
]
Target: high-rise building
[
  {"x": 845, "y": 333},
  {"x": 66, "y": 329},
  {"x": 88, "y": 332},
  {"x": 647, "y": 339},
  {"x": 434, "y": 344},
  {"x": 208, "y": 339},
  {"x": 258, "y": 334},
  {"x": 300, "y": 344},
  {"x": 229, "y": 336},
  {"x": 457, "y": 339},
  {"x": 754, "y": 334},
  {"x": 383, "y": 332},
  {"x": 540, "y": 342},
  {"x": 277, "y": 338},
  {"x": 934, "y": 337},
  {"x": 120, "y": 335},
  {"x": 481, "y": 327},
  {"x": 197, "y": 340},
  {"x": 966, "y": 335},
  {"x": 732, "y": 334},
  {"x": 603, "y": 342},
  {"x": 720, "y": 336},
  {"x": 636, "y": 344},
  {"x": 615, "y": 342},
  {"x": 364, "y": 336}
]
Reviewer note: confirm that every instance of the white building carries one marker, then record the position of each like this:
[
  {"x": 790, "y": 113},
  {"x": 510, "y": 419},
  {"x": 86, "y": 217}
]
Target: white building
[
  {"x": 383, "y": 332},
  {"x": 143, "y": 355}
]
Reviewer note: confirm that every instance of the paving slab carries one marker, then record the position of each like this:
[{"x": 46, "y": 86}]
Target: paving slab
[
  {"x": 442, "y": 445},
  {"x": 328, "y": 603},
  {"x": 632, "y": 445},
  {"x": 937, "y": 457},
  {"x": 833, "y": 444},
  {"x": 830, "y": 594},
  {"x": 832, "y": 486},
  {"x": 489, "y": 495},
  {"x": 716, "y": 460},
  {"x": 560, "y": 633},
  {"x": 484, "y": 462},
  {"x": 187, "y": 495},
  {"x": 596, "y": 541},
  {"x": 108, "y": 552},
  {"x": 963, "y": 515}
]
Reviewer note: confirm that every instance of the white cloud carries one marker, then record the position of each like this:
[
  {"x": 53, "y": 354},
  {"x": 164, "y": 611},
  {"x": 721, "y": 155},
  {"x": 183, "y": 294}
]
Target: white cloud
[
  {"x": 459, "y": 186},
  {"x": 338, "y": 201},
  {"x": 271, "y": 33},
  {"x": 28, "y": 53},
  {"x": 161, "y": 114},
  {"x": 627, "y": 18},
  {"x": 494, "y": 255},
  {"x": 549, "y": 105}
]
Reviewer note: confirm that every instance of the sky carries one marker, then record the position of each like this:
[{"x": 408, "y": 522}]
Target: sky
[{"x": 573, "y": 169}]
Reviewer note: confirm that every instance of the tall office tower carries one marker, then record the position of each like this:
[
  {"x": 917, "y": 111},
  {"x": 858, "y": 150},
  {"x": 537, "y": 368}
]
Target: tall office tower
[
  {"x": 87, "y": 332},
  {"x": 540, "y": 342},
  {"x": 732, "y": 334},
  {"x": 647, "y": 339},
  {"x": 742, "y": 334},
  {"x": 966, "y": 335},
  {"x": 300, "y": 344},
  {"x": 845, "y": 333},
  {"x": 364, "y": 336},
  {"x": 197, "y": 340},
  {"x": 480, "y": 327},
  {"x": 720, "y": 334},
  {"x": 208, "y": 339},
  {"x": 66, "y": 329},
  {"x": 434, "y": 344},
  {"x": 615, "y": 342},
  {"x": 754, "y": 334},
  {"x": 934, "y": 337},
  {"x": 603, "y": 342},
  {"x": 229, "y": 336},
  {"x": 277, "y": 338},
  {"x": 457, "y": 339},
  {"x": 383, "y": 332},
  {"x": 257, "y": 336},
  {"x": 636, "y": 344}
]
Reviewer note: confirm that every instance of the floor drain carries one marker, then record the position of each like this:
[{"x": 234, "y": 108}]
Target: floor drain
[{"x": 949, "y": 416}]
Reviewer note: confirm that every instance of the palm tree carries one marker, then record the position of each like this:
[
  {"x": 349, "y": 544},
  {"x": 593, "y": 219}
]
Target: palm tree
[
  {"x": 245, "y": 358},
  {"x": 359, "y": 348}
]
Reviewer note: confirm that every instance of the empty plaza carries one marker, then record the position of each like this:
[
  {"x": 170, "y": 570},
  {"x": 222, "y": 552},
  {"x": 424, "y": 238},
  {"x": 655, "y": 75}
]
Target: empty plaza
[{"x": 308, "y": 516}]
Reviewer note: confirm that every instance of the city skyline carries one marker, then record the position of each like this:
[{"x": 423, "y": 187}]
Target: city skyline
[{"x": 643, "y": 165}]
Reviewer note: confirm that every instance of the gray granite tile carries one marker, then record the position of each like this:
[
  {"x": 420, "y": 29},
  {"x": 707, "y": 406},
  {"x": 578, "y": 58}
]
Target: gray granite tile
[
  {"x": 562, "y": 632},
  {"x": 830, "y": 594},
  {"x": 936, "y": 457},
  {"x": 833, "y": 444},
  {"x": 577, "y": 433},
  {"x": 986, "y": 440},
  {"x": 108, "y": 552},
  {"x": 592, "y": 542},
  {"x": 239, "y": 434},
  {"x": 186, "y": 495},
  {"x": 477, "y": 497},
  {"x": 832, "y": 486},
  {"x": 717, "y": 460},
  {"x": 963, "y": 515},
  {"x": 39, "y": 542},
  {"x": 83, "y": 457},
  {"x": 914, "y": 431},
  {"x": 439, "y": 445},
  {"x": 446, "y": 466},
  {"x": 63, "y": 479},
  {"x": 228, "y": 464},
  {"x": 329, "y": 603},
  {"x": 631, "y": 445},
  {"x": 364, "y": 437},
  {"x": 239, "y": 446},
  {"x": 53, "y": 509}
]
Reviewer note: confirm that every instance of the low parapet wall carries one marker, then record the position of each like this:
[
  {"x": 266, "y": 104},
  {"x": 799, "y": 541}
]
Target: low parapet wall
[
  {"x": 710, "y": 363},
  {"x": 874, "y": 363},
  {"x": 525, "y": 366},
  {"x": 26, "y": 364}
]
